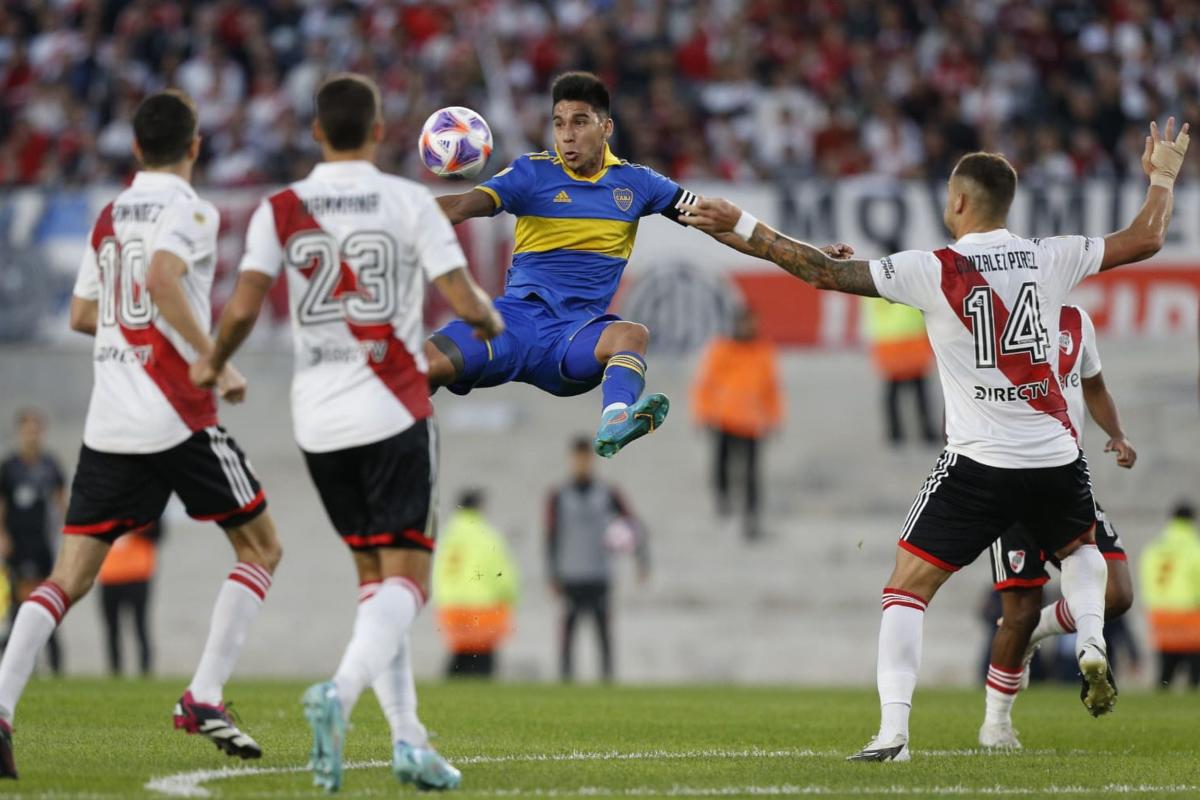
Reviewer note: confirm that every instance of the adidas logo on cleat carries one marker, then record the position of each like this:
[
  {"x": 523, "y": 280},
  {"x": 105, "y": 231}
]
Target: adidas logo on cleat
[{"x": 562, "y": 197}]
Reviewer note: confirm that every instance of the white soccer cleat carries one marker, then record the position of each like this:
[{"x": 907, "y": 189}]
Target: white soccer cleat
[
  {"x": 999, "y": 736},
  {"x": 894, "y": 750},
  {"x": 1099, "y": 692}
]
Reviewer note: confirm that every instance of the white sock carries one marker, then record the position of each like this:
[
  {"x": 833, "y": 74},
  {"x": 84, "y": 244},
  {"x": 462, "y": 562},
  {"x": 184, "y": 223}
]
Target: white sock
[
  {"x": 1002, "y": 687},
  {"x": 238, "y": 602},
  {"x": 395, "y": 689},
  {"x": 1084, "y": 579},
  {"x": 379, "y": 627},
  {"x": 397, "y": 695},
  {"x": 36, "y": 620},
  {"x": 899, "y": 659},
  {"x": 611, "y": 406},
  {"x": 1055, "y": 620}
]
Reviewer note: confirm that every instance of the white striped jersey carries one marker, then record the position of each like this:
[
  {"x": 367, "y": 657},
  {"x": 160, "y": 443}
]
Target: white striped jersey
[
  {"x": 991, "y": 303},
  {"x": 356, "y": 246},
  {"x": 142, "y": 400}
]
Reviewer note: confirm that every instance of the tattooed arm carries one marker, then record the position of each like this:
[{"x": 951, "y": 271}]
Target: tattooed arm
[{"x": 822, "y": 268}]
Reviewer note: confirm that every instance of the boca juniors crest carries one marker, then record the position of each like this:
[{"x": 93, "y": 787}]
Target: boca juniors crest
[
  {"x": 623, "y": 198},
  {"x": 1016, "y": 559}
]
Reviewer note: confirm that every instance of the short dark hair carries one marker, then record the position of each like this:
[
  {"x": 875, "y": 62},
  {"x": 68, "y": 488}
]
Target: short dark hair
[
  {"x": 471, "y": 499},
  {"x": 581, "y": 444},
  {"x": 164, "y": 126},
  {"x": 582, "y": 86},
  {"x": 347, "y": 107},
  {"x": 1183, "y": 510},
  {"x": 994, "y": 175}
]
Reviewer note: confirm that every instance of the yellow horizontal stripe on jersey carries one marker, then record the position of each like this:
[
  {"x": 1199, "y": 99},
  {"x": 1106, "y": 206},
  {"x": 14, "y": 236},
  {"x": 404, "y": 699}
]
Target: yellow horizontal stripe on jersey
[
  {"x": 490, "y": 191},
  {"x": 609, "y": 237}
]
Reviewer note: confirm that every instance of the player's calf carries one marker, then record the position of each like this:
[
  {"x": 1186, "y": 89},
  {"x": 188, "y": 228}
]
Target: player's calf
[{"x": 1118, "y": 593}]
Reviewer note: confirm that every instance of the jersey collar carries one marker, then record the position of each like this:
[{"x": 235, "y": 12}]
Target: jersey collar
[
  {"x": 609, "y": 160},
  {"x": 149, "y": 179},
  {"x": 340, "y": 169},
  {"x": 987, "y": 237}
]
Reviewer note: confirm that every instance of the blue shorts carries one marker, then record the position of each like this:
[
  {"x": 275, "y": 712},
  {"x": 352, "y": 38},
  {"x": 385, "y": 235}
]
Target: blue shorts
[{"x": 533, "y": 348}]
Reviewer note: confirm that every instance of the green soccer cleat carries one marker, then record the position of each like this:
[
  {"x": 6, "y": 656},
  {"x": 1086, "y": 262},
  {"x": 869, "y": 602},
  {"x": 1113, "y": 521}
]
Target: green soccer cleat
[
  {"x": 323, "y": 710},
  {"x": 424, "y": 767},
  {"x": 620, "y": 426}
]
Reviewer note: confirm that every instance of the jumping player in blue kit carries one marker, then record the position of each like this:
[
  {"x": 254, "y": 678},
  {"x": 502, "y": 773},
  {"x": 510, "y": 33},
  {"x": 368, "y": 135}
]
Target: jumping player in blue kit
[{"x": 577, "y": 215}]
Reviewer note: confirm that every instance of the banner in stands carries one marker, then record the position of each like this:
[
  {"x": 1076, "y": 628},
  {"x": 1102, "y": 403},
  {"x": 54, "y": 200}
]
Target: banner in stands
[{"x": 681, "y": 283}]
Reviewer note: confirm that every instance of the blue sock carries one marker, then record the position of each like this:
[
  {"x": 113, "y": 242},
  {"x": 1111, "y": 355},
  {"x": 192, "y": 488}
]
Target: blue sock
[{"x": 624, "y": 379}]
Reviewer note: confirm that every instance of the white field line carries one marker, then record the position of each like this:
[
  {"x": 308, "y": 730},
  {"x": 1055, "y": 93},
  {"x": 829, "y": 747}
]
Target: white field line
[
  {"x": 798, "y": 790},
  {"x": 191, "y": 784}
]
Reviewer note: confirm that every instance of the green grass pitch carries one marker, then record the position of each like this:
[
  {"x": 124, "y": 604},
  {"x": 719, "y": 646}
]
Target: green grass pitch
[{"x": 102, "y": 739}]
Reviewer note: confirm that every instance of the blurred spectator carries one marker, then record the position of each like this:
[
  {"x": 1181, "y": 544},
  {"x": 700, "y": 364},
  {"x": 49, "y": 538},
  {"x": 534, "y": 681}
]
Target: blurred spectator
[
  {"x": 32, "y": 501},
  {"x": 829, "y": 88},
  {"x": 588, "y": 521},
  {"x": 901, "y": 354},
  {"x": 1170, "y": 573},
  {"x": 475, "y": 588},
  {"x": 125, "y": 586},
  {"x": 737, "y": 395}
]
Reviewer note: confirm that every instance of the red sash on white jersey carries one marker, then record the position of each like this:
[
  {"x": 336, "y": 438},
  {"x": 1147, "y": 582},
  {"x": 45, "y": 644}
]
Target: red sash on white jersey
[
  {"x": 959, "y": 277},
  {"x": 166, "y": 367}
]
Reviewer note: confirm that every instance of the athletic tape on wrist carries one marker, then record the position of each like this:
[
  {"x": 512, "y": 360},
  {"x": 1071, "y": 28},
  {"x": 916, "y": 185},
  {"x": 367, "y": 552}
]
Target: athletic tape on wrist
[
  {"x": 1159, "y": 179},
  {"x": 745, "y": 225}
]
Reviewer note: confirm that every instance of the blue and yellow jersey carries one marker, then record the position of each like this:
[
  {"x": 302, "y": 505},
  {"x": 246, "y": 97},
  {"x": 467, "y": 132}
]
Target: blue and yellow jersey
[{"x": 574, "y": 234}]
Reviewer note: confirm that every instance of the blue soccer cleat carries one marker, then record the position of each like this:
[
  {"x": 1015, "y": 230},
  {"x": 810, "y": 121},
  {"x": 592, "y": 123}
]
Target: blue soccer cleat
[
  {"x": 424, "y": 767},
  {"x": 323, "y": 710},
  {"x": 620, "y": 426}
]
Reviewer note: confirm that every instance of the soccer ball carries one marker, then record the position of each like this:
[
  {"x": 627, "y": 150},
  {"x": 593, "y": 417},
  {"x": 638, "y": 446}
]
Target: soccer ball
[{"x": 455, "y": 141}]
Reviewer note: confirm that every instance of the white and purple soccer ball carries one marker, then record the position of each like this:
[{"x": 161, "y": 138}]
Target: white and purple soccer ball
[{"x": 455, "y": 141}]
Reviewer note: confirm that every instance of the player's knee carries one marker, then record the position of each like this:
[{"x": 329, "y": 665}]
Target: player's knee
[
  {"x": 637, "y": 337},
  {"x": 257, "y": 543},
  {"x": 74, "y": 583},
  {"x": 621, "y": 337},
  {"x": 1023, "y": 615}
]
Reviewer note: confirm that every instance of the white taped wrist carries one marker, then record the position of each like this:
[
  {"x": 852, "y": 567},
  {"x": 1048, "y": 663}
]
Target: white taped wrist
[
  {"x": 745, "y": 225},
  {"x": 1161, "y": 179}
]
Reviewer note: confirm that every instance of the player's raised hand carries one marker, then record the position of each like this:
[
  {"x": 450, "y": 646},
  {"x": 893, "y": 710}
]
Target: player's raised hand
[
  {"x": 711, "y": 215},
  {"x": 231, "y": 385},
  {"x": 841, "y": 250},
  {"x": 1126, "y": 455},
  {"x": 1163, "y": 155},
  {"x": 202, "y": 373}
]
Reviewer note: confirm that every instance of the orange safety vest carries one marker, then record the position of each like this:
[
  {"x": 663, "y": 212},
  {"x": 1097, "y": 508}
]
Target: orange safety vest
[
  {"x": 1175, "y": 631},
  {"x": 474, "y": 630},
  {"x": 737, "y": 389},
  {"x": 131, "y": 560}
]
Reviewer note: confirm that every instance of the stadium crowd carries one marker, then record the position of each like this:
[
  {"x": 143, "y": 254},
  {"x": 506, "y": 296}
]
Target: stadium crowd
[{"x": 775, "y": 89}]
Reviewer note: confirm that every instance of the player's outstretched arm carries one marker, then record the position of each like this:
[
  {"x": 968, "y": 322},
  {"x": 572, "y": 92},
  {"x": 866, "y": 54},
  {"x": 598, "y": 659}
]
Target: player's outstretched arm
[
  {"x": 84, "y": 315},
  {"x": 1103, "y": 408},
  {"x": 237, "y": 320},
  {"x": 1161, "y": 161},
  {"x": 720, "y": 218},
  {"x": 475, "y": 203},
  {"x": 470, "y": 302}
]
